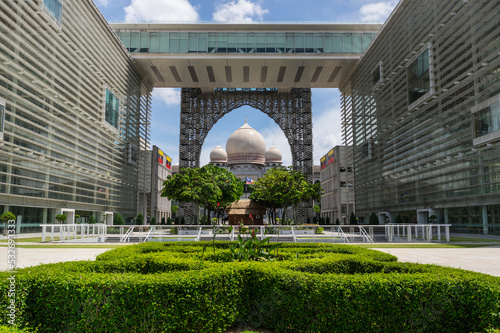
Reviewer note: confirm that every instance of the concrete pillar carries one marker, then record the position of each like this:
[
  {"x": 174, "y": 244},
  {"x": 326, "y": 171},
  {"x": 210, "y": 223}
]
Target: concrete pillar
[{"x": 485, "y": 219}]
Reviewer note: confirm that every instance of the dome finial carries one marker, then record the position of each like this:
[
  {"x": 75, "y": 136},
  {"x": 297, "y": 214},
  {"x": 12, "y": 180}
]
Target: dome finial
[{"x": 245, "y": 120}]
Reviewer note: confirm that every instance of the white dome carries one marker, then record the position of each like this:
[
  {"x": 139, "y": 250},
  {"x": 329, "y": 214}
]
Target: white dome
[
  {"x": 273, "y": 155},
  {"x": 218, "y": 155},
  {"x": 246, "y": 145}
]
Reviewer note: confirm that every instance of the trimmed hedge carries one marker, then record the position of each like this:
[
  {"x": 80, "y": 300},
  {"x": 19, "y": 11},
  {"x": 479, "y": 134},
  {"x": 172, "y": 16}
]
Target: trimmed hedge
[{"x": 175, "y": 287}]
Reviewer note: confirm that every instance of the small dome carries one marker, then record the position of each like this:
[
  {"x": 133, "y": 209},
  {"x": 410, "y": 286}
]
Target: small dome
[
  {"x": 218, "y": 155},
  {"x": 246, "y": 145},
  {"x": 273, "y": 155}
]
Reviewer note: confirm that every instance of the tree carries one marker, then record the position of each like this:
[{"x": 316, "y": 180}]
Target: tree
[
  {"x": 352, "y": 219},
  {"x": 153, "y": 221},
  {"x": 374, "y": 219},
  {"x": 337, "y": 222},
  {"x": 140, "y": 219},
  {"x": 92, "y": 219},
  {"x": 6, "y": 217},
  {"x": 61, "y": 218},
  {"x": 210, "y": 187},
  {"x": 283, "y": 187},
  {"x": 118, "y": 219},
  {"x": 174, "y": 209}
]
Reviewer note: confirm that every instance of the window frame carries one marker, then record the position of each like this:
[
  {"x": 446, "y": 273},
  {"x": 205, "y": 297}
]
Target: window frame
[
  {"x": 475, "y": 111},
  {"x": 104, "y": 120},
  {"x": 421, "y": 99},
  {"x": 380, "y": 68},
  {"x": 57, "y": 20}
]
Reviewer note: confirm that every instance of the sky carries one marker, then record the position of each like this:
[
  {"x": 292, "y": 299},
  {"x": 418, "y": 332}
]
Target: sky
[{"x": 325, "y": 102}]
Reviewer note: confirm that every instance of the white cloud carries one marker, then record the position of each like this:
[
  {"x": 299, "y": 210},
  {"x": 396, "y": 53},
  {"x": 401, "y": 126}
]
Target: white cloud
[
  {"x": 239, "y": 11},
  {"x": 326, "y": 132},
  {"x": 170, "y": 96},
  {"x": 160, "y": 10},
  {"x": 377, "y": 12}
]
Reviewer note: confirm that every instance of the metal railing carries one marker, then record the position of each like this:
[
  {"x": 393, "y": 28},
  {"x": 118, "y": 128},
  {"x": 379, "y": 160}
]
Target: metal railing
[
  {"x": 126, "y": 238},
  {"x": 277, "y": 233}
]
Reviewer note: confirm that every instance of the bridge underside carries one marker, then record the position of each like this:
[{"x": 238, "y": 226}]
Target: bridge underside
[
  {"x": 291, "y": 110},
  {"x": 209, "y": 72}
]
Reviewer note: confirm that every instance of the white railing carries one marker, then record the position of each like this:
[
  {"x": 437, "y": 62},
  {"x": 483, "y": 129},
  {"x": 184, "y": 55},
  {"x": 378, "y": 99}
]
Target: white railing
[
  {"x": 279, "y": 233},
  {"x": 126, "y": 238},
  {"x": 74, "y": 232},
  {"x": 150, "y": 235}
]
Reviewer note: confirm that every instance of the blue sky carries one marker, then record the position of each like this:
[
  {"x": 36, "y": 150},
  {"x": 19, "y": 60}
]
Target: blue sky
[{"x": 326, "y": 102}]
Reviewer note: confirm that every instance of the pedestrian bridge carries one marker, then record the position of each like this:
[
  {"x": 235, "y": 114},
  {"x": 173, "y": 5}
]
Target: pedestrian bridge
[{"x": 251, "y": 55}]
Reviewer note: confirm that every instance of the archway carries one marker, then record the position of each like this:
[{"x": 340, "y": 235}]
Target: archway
[{"x": 290, "y": 110}]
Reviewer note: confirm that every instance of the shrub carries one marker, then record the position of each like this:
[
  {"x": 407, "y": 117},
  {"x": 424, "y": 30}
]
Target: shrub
[
  {"x": 174, "y": 287},
  {"x": 352, "y": 219},
  {"x": 162, "y": 220},
  {"x": 118, "y": 219},
  {"x": 399, "y": 220},
  {"x": 327, "y": 220},
  {"x": 139, "y": 219},
  {"x": 92, "y": 219},
  {"x": 153, "y": 221},
  {"x": 169, "y": 221},
  {"x": 374, "y": 219},
  {"x": 320, "y": 230}
]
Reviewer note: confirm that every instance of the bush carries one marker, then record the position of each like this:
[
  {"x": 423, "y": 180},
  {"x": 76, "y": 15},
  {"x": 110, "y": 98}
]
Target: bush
[
  {"x": 353, "y": 220},
  {"x": 374, "y": 219},
  {"x": 320, "y": 230},
  {"x": 169, "y": 221},
  {"x": 162, "y": 220},
  {"x": 175, "y": 287},
  {"x": 139, "y": 219},
  {"x": 92, "y": 219},
  {"x": 153, "y": 221},
  {"x": 118, "y": 219}
]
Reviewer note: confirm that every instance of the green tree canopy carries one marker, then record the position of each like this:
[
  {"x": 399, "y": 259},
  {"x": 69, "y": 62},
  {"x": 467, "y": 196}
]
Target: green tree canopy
[
  {"x": 61, "y": 218},
  {"x": 7, "y": 216},
  {"x": 284, "y": 187},
  {"x": 211, "y": 187}
]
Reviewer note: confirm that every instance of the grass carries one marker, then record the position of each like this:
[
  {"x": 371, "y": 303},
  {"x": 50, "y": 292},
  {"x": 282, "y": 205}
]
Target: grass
[{"x": 473, "y": 240}]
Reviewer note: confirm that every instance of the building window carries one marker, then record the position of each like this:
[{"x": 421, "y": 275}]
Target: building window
[
  {"x": 54, "y": 9},
  {"x": 366, "y": 150},
  {"x": 419, "y": 77},
  {"x": 112, "y": 109},
  {"x": 486, "y": 121},
  {"x": 377, "y": 75},
  {"x": 2, "y": 117},
  {"x": 133, "y": 153}
]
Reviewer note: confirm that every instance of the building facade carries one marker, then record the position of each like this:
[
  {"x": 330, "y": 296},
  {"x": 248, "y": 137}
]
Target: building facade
[
  {"x": 157, "y": 167},
  {"x": 336, "y": 176},
  {"x": 421, "y": 110},
  {"x": 74, "y": 113}
]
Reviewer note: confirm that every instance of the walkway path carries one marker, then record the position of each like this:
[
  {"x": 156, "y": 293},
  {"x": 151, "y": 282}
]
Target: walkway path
[{"x": 478, "y": 259}]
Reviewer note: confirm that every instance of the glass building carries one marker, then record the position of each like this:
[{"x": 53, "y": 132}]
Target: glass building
[
  {"x": 74, "y": 113},
  {"x": 425, "y": 125}
]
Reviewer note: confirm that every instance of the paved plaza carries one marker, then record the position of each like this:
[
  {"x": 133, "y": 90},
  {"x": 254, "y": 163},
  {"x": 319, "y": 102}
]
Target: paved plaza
[{"x": 478, "y": 259}]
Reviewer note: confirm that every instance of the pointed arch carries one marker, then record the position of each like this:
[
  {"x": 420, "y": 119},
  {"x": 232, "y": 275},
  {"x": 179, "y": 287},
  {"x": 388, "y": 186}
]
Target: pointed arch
[{"x": 291, "y": 111}]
